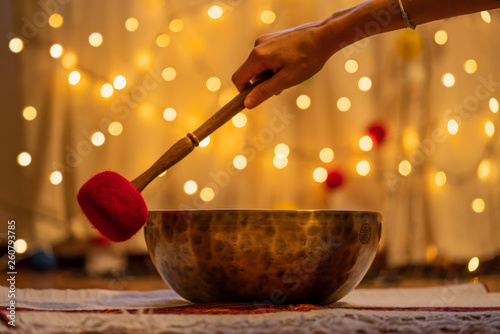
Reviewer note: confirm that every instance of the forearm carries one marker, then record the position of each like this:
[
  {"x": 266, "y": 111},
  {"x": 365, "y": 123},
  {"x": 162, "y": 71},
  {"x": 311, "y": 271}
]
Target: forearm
[{"x": 373, "y": 17}]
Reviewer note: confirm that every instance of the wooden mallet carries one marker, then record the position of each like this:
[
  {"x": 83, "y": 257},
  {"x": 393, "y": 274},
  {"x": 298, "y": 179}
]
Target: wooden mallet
[{"x": 115, "y": 206}]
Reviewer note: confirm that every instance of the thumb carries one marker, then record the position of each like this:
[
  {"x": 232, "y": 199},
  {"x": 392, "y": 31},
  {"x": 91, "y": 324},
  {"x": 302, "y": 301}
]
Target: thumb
[{"x": 262, "y": 92}]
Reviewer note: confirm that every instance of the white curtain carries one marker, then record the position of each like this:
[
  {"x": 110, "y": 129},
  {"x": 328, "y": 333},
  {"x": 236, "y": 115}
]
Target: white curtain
[{"x": 407, "y": 96}]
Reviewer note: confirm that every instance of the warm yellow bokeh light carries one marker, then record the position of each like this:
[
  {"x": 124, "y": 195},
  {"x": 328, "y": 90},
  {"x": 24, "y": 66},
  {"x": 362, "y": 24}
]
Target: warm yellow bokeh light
[
  {"x": 478, "y": 205},
  {"x": 163, "y": 174},
  {"x": 55, "y": 20},
  {"x": 190, "y": 187},
  {"x": 470, "y": 66},
  {"x": 98, "y": 138},
  {"x": 29, "y": 113},
  {"x": 351, "y": 66},
  {"x": 144, "y": 59},
  {"x": 115, "y": 128},
  {"x": 441, "y": 37},
  {"x": 452, "y": 127},
  {"x": 239, "y": 162},
  {"x": 280, "y": 161},
  {"x": 410, "y": 139},
  {"x": 431, "y": 252},
  {"x": 56, "y": 177},
  {"x": 24, "y": 159},
  {"x": 473, "y": 264},
  {"x": 16, "y": 45},
  {"x": 303, "y": 101},
  {"x": 282, "y": 150},
  {"x": 146, "y": 110},
  {"x": 485, "y": 15},
  {"x": 404, "y": 168},
  {"x": 21, "y": 246},
  {"x": 326, "y": 155},
  {"x": 484, "y": 169},
  {"x": 448, "y": 80},
  {"x": 320, "y": 174},
  {"x": 365, "y": 84},
  {"x": 207, "y": 194},
  {"x": 205, "y": 142},
  {"x": 95, "y": 39},
  {"x": 176, "y": 25},
  {"x": 239, "y": 120},
  {"x": 493, "y": 105},
  {"x": 163, "y": 40},
  {"x": 56, "y": 50},
  {"x": 74, "y": 77},
  {"x": 169, "y": 114},
  {"x": 267, "y": 16},
  {"x": 119, "y": 82},
  {"x": 131, "y": 24},
  {"x": 366, "y": 143},
  {"x": 440, "y": 178},
  {"x": 169, "y": 74},
  {"x": 213, "y": 84},
  {"x": 69, "y": 60},
  {"x": 215, "y": 12},
  {"x": 489, "y": 128},
  {"x": 344, "y": 104},
  {"x": 107, "y": 90},
  {"x": 363, "y": 168}
]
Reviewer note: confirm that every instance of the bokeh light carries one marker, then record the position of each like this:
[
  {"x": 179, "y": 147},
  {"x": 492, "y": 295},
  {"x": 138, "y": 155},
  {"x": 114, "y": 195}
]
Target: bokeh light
[
  {"x": 95, "y": 39},
  {"x": 267, "y": 16},
  {"x": 115, "y": 128},
  {"x": 365, "y": 84},
  {"x": 131, "y": 24},
  {"x": 478, "y": 205},
  {"x": 366, "y": 143},
  {"x": 344, "y": 104},
  {"x": 239, "y": 162},
  {"x": 404, "y": 168},
  {"x": 280, "y": 161},
  {"x": 107, "y": 90},
  {"x": 452, "y": 127},
  {"x": 16, "y": 45},
  {"x": 56, "y": 177},
  {"x": 69, "y": 60},
  {"x": 215, "y": 12},
  {"x": 473, "y": 264},
  {"x": 484, "y": 169},
  {"x": 493, "y": 105},
  {"x": 363, "y": 168},
  {"x": 56, "y": 20},
  {"x": 205, "y": 142},
  {"x": 320, "y": 174},
  {"x": 448, "y": 80},
  {"x": 440, "y": 178},
  {"x": 21, "y": 246},
  {"x": 29, "y": 113},
  {"x": 119, "y": 82},
  {"x": 470, "y": 66},
  {"x": 144, "y": 59},
  {"x": 282, "y": 150},
  {"x": 213, "y": 84},
  {"x": 169, "y": 74},
  {"x": 190, "y": 187},
  {"x": 303, "y": 101},
  {"x": 239, "y": 120},
  {"x": 163, "y": 40},
  {"x": 98, "y": 138},
  {"x": 207, "y": 194},
  {"x": 176, "y": 25},
  {"x": 74, "y": 77},
  {"x": 351, "y": 66},
  {"x": 410, "y": 139},
  {"x": 441, "y": 37},
  {"x": 489, "y": 128},
  {"x": 24, "y": 159},
  {"x": 326, "y": 155},
  {"x": 169, "y": 114},
  {"x": 485, "y": 15},
  {"x": 56, "y": 50}
]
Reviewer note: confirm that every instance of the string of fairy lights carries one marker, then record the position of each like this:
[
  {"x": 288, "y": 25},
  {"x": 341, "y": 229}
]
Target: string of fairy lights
[{"x": 325, "y": 155}]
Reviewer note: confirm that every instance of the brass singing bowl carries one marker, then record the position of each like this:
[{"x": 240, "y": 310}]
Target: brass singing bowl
[{"x": 263, "y": 256}]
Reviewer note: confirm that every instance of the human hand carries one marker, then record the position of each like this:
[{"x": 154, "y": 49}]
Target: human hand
[{"x": 294, "y": 55}]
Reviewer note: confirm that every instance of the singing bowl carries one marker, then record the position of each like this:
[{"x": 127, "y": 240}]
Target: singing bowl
[{"x": 262, "y": 256}]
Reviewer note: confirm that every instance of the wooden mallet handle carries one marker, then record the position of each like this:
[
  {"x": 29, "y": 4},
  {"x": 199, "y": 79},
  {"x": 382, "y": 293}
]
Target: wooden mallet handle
[{"x": 185, "y": 145}]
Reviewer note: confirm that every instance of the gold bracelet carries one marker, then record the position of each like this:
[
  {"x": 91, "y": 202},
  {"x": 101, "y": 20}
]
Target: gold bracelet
[{"x": 408, "y": 24}]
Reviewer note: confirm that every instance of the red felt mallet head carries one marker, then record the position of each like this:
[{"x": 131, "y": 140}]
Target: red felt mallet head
[{"x": 115, "y": 207}]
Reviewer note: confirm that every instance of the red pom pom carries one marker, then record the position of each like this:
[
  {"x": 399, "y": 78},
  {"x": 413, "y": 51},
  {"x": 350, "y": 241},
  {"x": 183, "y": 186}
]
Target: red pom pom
[
  {"x": 334, "y": 179},
  {"x": 377, "y": 133},
  {"x": 113, "y": 205}
]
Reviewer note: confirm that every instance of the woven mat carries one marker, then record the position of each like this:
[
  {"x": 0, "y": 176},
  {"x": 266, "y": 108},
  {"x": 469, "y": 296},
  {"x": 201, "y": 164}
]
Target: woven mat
[{"x": 466, "y": 308}]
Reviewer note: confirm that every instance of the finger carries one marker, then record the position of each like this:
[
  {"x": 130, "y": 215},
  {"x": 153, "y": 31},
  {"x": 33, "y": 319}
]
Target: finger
[
  {"x": 265, "y": 90},
  {"x": 247, "y": 72}
]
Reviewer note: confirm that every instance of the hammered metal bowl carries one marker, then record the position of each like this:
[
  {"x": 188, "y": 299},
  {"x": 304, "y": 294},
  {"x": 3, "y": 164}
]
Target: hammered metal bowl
[{"x": 263, "y": 256}]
